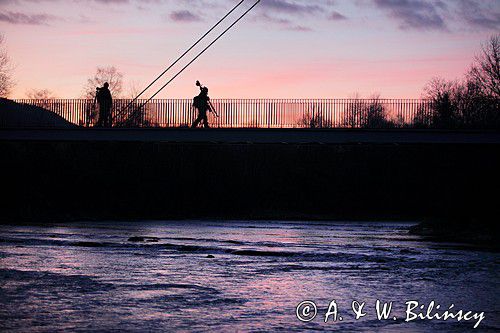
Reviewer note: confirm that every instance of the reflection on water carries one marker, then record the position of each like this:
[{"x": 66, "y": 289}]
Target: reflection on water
[{"x": 233, "y": 276}]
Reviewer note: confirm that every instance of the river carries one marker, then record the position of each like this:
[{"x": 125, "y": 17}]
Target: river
[{"x": 241, "y": 276}]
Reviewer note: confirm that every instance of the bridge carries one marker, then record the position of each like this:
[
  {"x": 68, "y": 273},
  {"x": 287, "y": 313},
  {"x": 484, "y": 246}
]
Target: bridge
[
  {"x": 238, "y": 113},
  {"x": 253, "y": 136}
]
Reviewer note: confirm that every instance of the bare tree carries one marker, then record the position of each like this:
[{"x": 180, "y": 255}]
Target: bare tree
[
  {"x": 6, "y": 82},
  {"x": 41, "y": 94},
  {"x": 485, "y": 71},
  {"x": 460, "y": 104},
  {"x": 375, "y": 114},
  {"x": 108, "y": 74},
  {"x": 366, "y": 113},
  {"x": 354, "y": 111},
  {"x": 472, "y": 102},
  {"x": 134, "y": 113},
  {"x": 314, "y": 118},
  {"x": 442, "y": 94},
  {"x": 41, "y": 97},
  {"x": 133, "y": 89}
]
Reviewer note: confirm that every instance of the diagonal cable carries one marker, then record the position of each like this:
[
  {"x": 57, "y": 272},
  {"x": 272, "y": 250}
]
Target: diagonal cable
[
  {"x": 182, "y": 56},
  {"x": 198, "y": 55}
]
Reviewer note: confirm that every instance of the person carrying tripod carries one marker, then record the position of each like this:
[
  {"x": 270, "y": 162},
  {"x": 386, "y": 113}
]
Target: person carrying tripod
[{"x": 202, "y": 104}]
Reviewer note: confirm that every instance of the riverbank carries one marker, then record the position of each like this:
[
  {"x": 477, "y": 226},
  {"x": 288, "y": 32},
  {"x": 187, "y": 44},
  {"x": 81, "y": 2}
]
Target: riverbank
[{"x": 480, "y": 233}]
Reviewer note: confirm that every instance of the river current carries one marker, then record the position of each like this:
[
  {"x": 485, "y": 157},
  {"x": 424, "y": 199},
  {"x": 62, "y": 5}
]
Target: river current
[{"x": 238, "y": 276}]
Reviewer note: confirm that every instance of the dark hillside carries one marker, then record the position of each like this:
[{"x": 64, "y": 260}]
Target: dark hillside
[{"x": 16, "y": 115}]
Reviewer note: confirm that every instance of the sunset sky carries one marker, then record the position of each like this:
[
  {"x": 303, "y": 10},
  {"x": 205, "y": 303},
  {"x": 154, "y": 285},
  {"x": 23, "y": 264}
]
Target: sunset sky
[{"x": 283, "y": 49}]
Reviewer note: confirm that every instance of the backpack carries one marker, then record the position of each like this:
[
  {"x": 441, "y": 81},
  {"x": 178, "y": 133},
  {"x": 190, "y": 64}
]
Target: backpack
[{"x": 200, "y": 103}]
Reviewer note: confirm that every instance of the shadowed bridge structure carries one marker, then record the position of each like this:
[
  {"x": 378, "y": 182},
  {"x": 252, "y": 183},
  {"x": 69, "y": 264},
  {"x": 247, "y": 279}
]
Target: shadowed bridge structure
[
  {"x": 240, "y": 121},
  {"x": 257, "y": 136},
  {"x": 247, "y": 113}
]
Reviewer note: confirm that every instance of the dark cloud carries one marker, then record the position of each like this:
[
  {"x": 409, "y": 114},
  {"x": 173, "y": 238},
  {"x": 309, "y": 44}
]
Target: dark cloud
[
  {"x": 300, "y": 28},
  {"x": 437, "y": 15},
  {"x": 6, "y": 2},
  {"x": 283, "y": 23},
  {"x": 274, "y": 19},
  {"x": 336, "y": 16},
  {"x": 481, "y": 14},
  {"x": 112, "y": 1},
  {"x": 288, "y": 14},
  {"x": 291, "y": 7},
  {"x": 451, "y": 15},
  {"x": 20, "y": 18},
  {"x": 415, "y": 14},
  {"x": 184, "y": 16}
]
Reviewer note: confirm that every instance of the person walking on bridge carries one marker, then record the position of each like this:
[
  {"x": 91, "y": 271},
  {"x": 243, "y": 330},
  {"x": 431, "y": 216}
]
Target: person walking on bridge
[
  {"x": 103, "y": 97},
  {"x": 202, "y": 104}
]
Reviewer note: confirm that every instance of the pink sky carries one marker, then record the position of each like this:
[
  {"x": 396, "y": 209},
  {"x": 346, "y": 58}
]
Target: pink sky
[{"x": 284, "y": 49}]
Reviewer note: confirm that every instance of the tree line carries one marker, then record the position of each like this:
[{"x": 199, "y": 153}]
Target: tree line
[{"x": 472, "y": 102}]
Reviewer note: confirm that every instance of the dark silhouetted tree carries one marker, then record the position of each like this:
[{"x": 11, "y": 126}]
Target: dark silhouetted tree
[
  {"x": 441, "y": 93},
  {"x": 366, "y": 113},
  {"x": 375, "y": 114},
  {"x": 314, "y": 118},
  {"x": 485, "y": 72},
  {"x": 102, "y": 75},
  {"x": 132, "y": 113},
  {"x": 354, "y": 112},
  {"x": 474, "y": 101},
  {"x": 42, "y": 94},
  {"x": 41, "y": 97},
  {"x": 108, "y": 74}
]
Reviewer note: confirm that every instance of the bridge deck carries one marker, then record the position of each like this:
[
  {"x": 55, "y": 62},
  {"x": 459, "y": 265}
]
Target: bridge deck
[{"x": 292, "y": 136}]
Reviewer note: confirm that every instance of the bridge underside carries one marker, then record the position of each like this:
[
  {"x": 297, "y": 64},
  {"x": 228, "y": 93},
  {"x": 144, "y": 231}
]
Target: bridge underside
[{"x": 159, "y": 174}]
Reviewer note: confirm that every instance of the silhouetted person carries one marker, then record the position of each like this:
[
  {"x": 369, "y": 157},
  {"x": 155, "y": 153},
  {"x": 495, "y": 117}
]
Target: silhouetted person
[
  {"x": 103, "y": 97},
  {"x": 202, "y": 104}
]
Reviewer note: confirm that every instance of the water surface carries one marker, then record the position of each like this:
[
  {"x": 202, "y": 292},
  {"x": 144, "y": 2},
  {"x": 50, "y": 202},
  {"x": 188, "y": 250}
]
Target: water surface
[{"x": 234, "y": 276}]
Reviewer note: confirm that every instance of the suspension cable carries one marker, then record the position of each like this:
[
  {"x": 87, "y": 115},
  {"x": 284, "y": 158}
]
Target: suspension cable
[
  {"x": 199, "y": 54},
  {"x": 182, "y": 56}
]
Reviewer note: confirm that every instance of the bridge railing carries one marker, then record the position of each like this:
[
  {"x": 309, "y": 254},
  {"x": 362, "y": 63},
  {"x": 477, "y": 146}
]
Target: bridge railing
[{"x": 249, "y": 113}]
